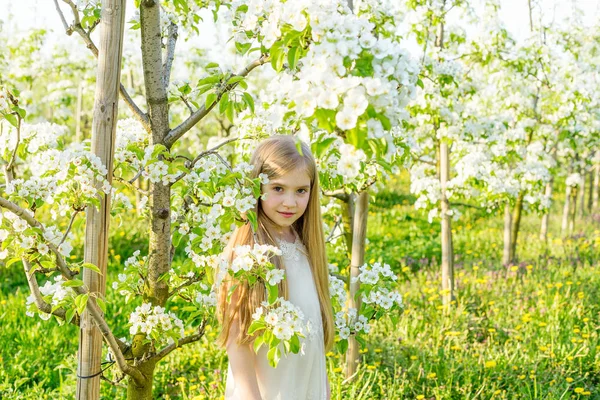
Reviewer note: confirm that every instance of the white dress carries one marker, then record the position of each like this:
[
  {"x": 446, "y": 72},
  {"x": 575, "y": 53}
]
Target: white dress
[{"x": 297, "y": 376}]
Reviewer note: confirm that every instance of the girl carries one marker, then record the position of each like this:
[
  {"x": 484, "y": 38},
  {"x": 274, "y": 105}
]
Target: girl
[{"x": 289, "y": 216}]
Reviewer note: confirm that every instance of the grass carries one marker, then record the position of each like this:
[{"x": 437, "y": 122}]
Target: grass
[{"x": 528, "y": 331}]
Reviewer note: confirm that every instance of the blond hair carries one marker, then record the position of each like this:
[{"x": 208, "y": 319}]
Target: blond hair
[{"x": 275, "y": 157}]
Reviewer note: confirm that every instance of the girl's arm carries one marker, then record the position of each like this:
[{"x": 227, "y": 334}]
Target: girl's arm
[
  {"x": 243, "y": 367},
  {"x": 328, "y": 388}
]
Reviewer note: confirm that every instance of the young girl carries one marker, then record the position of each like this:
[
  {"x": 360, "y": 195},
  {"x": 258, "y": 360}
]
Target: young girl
[{"x": 289, "y": 217}]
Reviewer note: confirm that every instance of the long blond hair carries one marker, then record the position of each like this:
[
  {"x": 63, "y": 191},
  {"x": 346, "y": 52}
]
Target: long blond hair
[{"x": 277, "y": 156}]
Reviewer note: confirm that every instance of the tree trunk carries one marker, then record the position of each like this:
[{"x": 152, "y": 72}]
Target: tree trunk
[
  {"x": 135, "y": 392},
  {"x": 596, "y": 188},
  {"x": 447, "y": 249},
  {"x": 546, "y": 216},
  {"x": 574, "y": 212},
  {"x": 590, "y": 190},
  {"x": 581, "y": 194},
  {"x": 516, "y": 225},
  {"x": 78, "y": 135},
  {"x": 565, "y": 217},
  {"x": 97, "y": 220},
  {"x": 507, "y": 255},
  {"x": 359, "y": 235},
  {"x": 348, "y": 221},
  {"x": 158, "y": 111}
]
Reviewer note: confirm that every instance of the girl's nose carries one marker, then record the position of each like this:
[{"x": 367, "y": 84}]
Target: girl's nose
[{"x": 289, "y": 201}]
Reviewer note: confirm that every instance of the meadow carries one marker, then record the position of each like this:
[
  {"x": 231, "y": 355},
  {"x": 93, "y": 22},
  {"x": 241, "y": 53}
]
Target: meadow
[{"x": 526, "y": 331}]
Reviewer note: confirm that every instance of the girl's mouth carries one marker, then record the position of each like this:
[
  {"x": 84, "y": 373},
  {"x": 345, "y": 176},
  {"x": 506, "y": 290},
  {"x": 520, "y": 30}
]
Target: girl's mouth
[{"x": 286, "y": 214}]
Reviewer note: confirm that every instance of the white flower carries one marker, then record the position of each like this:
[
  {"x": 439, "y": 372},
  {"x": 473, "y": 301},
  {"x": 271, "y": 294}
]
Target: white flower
[
  {"x": 274, "y": 276},
  {"x": 346, "y": 119},
  {"x": 272, "y": 319}
]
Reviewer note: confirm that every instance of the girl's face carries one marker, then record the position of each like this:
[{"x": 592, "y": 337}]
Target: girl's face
[{"x": 285, "y": 199}]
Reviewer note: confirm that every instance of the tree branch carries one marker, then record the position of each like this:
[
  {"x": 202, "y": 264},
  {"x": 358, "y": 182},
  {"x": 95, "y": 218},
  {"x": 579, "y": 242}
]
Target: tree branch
[
  {"x": 62, "y": 16},
  {"x": 168, "y": 63},
  {"x": 37, "y": 296},
  {"x": 187, "y": 283},
  {"x": 70, "y": 225},
  {"x": 203, "y": 154},
  {"x": 186, "y": 340},
  {"x": 76, "y": 27},
  {"x": 115, "y": 345},
  {"x": 338, "y": 194},
  {"x": 193, "y": 119}
]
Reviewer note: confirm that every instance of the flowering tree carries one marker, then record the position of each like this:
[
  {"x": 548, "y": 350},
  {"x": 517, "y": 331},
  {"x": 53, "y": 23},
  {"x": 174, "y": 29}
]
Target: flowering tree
[{"x": 371, "y": 80}]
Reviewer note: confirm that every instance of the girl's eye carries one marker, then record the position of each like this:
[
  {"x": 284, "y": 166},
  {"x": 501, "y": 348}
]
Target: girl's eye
[
  {"x": 277, "y": 188},
  {"x": 302, "y": 191}
]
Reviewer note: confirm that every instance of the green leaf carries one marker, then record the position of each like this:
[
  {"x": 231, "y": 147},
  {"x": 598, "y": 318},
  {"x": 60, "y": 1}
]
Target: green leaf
[
  {"x": 211, "y": 65},
  {"x": 248, "y": 100},
  {"x": 73, "y": 283},
  {"x": 223, "y": 103},
  {"x": 256, "y": 326},
  {"x": 235, "y": 79},
  {"x": 101, "y": 304},
  {"x": 420, "y": 83},
  {"x": 81, "y": 302},
  {"x": 295, "y": 344},
  {"x": 69, "y": 314},
  {"x": 293, "y": 54},
  {"x": 12, "y": 261},
  {"x": 229, "y": 112},
  {"x": 342, "y": 346},
  {"x": 12, "y": 120},
  {"x": 92, "y": 267},
  {"x": 361, "y": 341},
  {"x": 252, "y": 218},
  {"x": 274, "y": 355},
  {"x": 210, "y": 99},
  {"x": 273, "y": 293},
  {"x": 323, "y": 145},
  {"x": 258, "y": 342}
]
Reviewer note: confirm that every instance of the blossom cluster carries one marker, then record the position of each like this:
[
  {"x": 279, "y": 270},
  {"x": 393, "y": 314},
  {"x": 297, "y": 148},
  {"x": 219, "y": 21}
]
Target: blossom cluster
[
  {"x": 282, "y": 318},
  {"x": 351, "y": 323},
  {"x": 53, "y": 292},
  {"x": 157, "y": 324},
  {"x": 248, "y": 257},
  {"x": 129, "y": 282},
  {"x": 337, "y": 290},
  {"x": 376, "y": 286}
]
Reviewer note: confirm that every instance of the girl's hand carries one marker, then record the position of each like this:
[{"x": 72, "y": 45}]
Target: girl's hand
[{"x": 328, "y": 389}]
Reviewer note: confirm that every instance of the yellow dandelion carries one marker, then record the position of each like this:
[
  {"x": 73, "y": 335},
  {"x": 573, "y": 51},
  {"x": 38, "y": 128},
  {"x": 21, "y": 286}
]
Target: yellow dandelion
[
  {"x": 569, "y": 380},
  {"x": 490, "y": 364},
  {"x": 431, "y": 375},
  {"x": 337, "y": 369},
  {"x": 420, "y": 397},
  {"x": 578, "y": 390}
]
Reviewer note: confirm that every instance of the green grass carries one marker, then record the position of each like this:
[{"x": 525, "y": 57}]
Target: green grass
[{"x": 528, "y": 331}]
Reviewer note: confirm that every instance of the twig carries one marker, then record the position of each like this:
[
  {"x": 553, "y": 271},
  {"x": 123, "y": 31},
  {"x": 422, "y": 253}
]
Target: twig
[
  {"x": 338, "y": 194},
  {"x": 193, "y": 119},
  {"x": 130, "y": 185},
  {"x": 76, "y": 27},
  {"x": 187, "y": 104},
  {"x": 188, "y": 339},
  {"x": 37, "y": 296},
  {"x": 337, "y": 222},
  {"x": 190, "y": 281},
  {"x": 75, "y": 11},
  {"x": 69, "y": 227},
  {"x": 204, "y": 154},
  {"x": 168, "y": 64},
  {"x": 62, "y": 17},
  {"x": 136, "y": 176}
]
